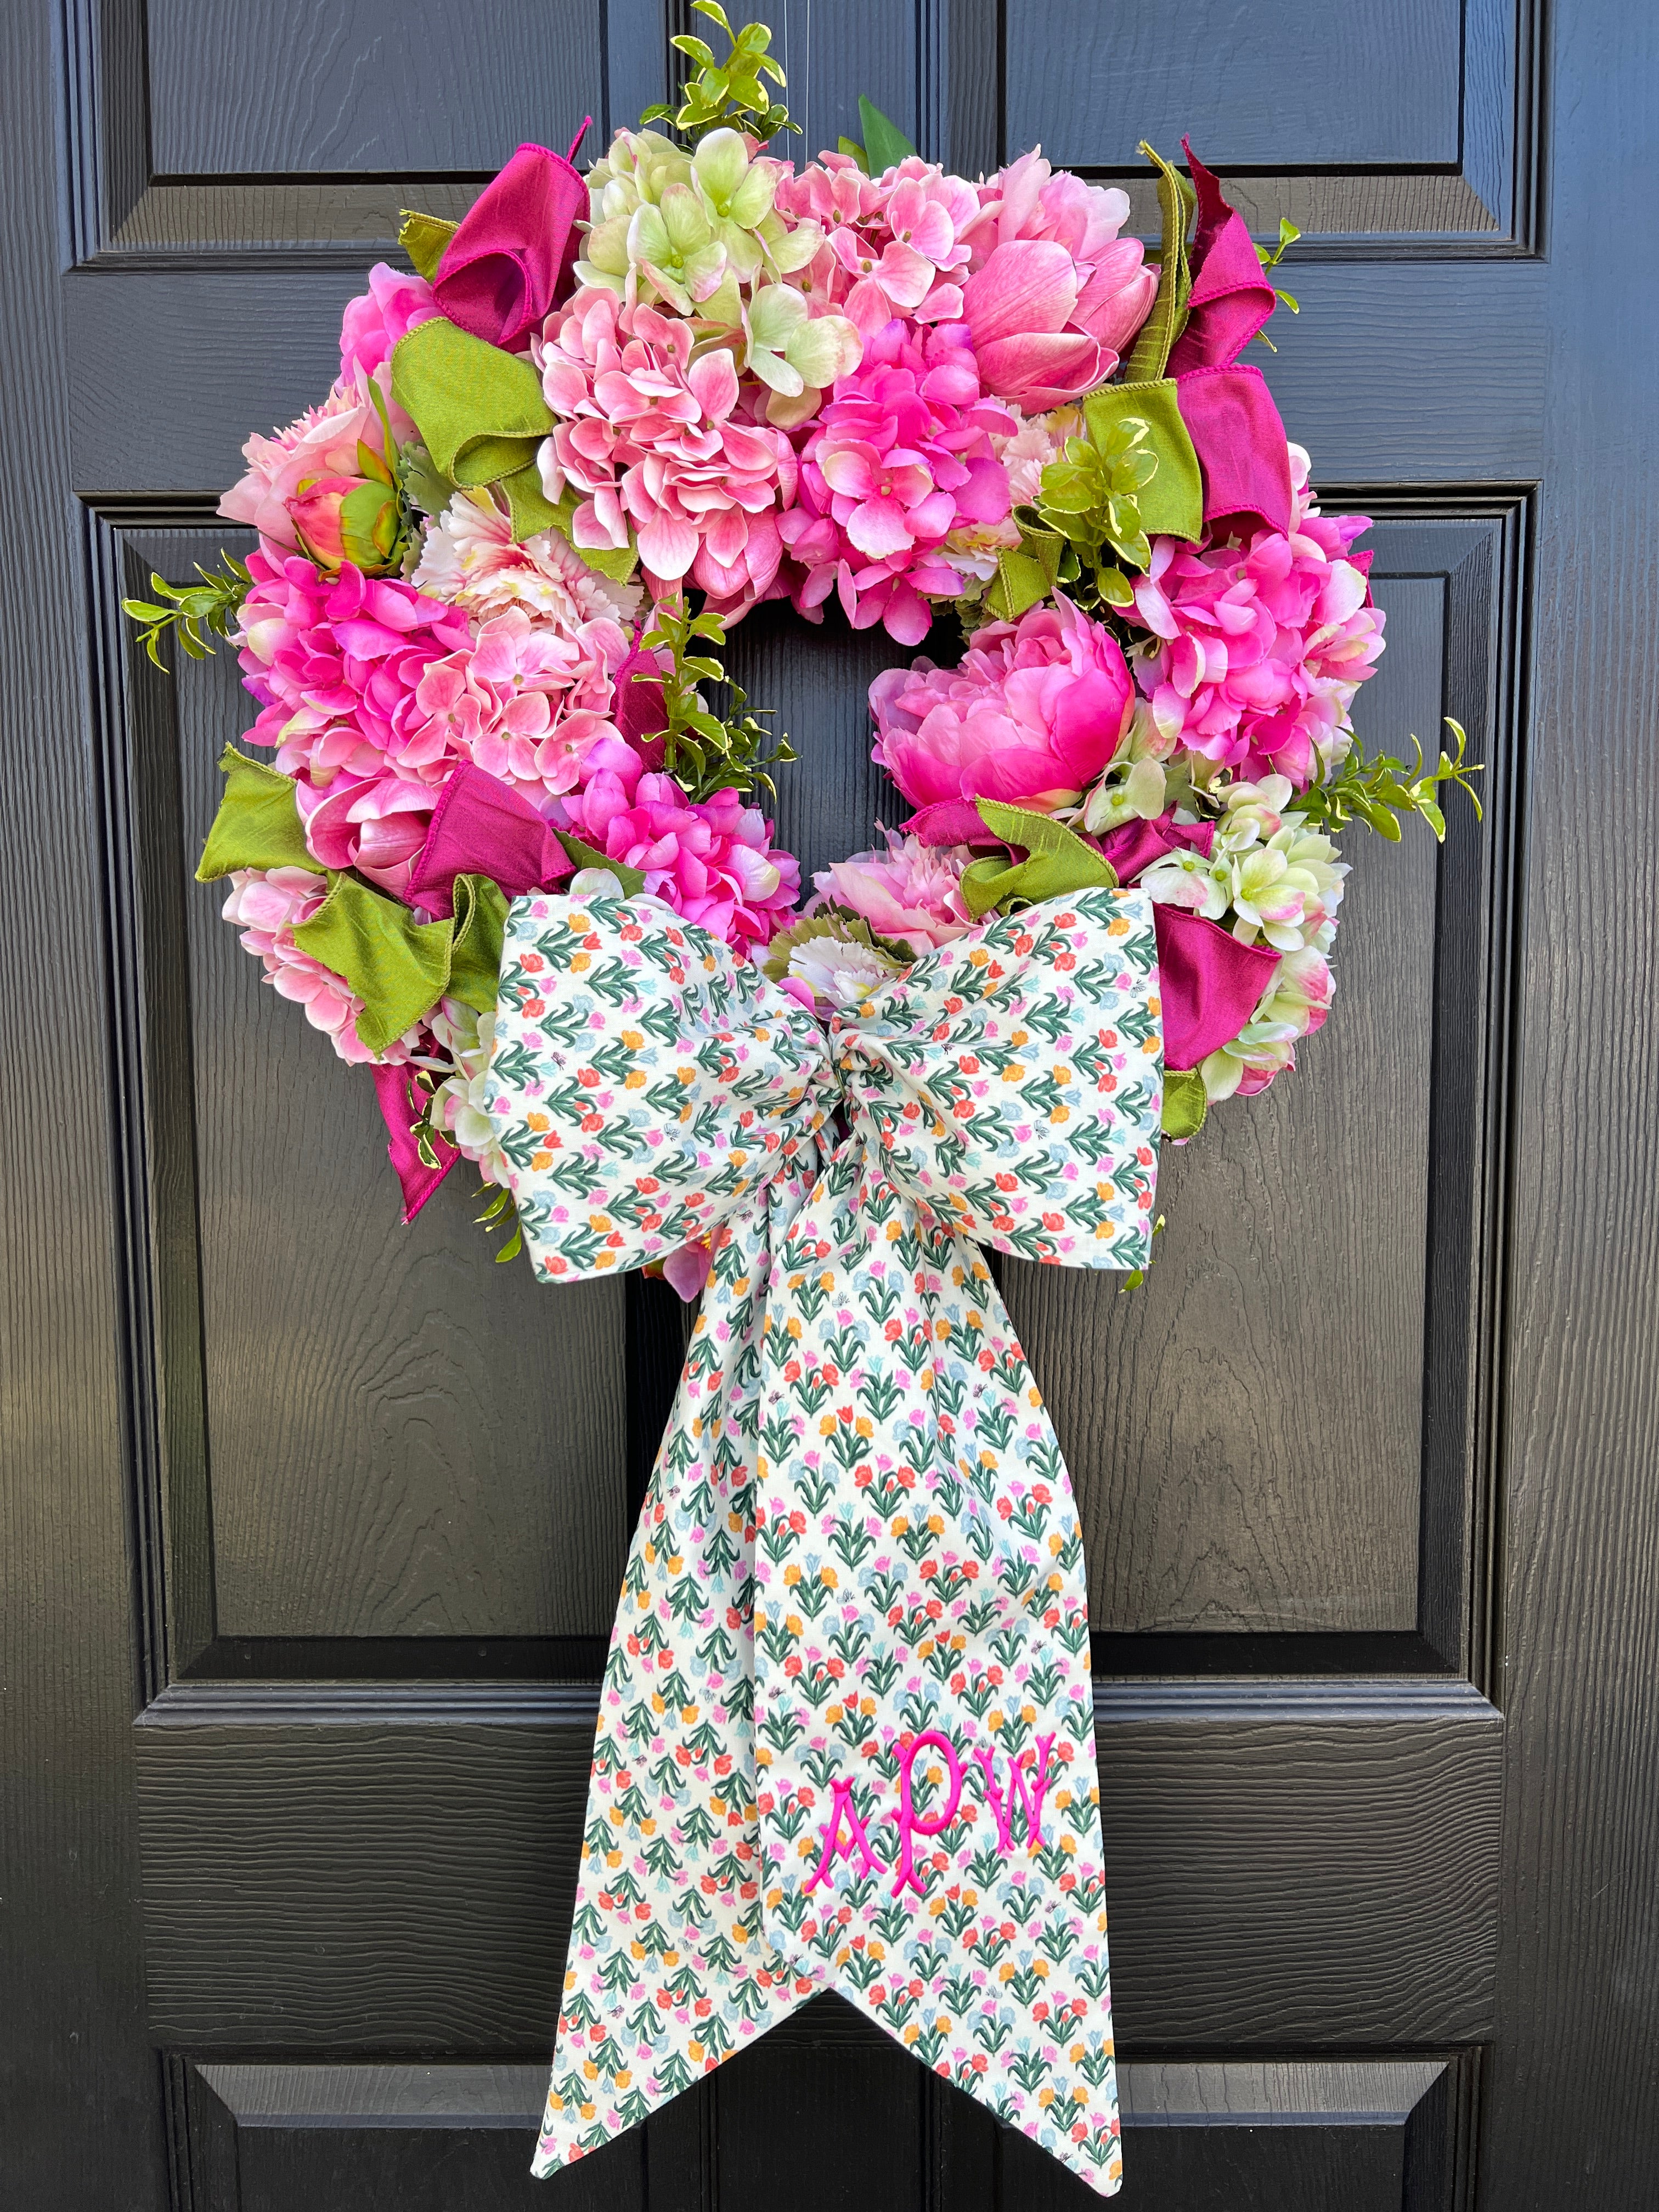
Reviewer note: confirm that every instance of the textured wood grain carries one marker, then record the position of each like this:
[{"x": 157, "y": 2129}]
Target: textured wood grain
[
  {"x": 1243, "y": 1433},
  {"x": 238, "y": 88},
  {"x": 253, "y": 349},
  {"x": 404, "y": 1439},
  {"x": 1574, "y": 2083},
  {"x": 1377, "y": 86},
  {"x": 357, "y": 1872},
  {"x": 78, "y": 2098}
]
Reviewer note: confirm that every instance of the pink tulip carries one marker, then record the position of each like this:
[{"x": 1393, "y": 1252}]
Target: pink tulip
[{"x": 1032, "y": 715}]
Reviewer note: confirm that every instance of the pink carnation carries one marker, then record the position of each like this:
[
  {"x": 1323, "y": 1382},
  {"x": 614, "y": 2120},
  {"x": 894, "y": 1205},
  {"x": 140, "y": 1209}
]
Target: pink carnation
[
  {"x": 900, "y": 458},
  {"x": 653, "y": 437},
  {"x": 1031, "y": 716},
  {"x": 374, "y": 321},
  {"x": 268, "y": 905},
  {"x": 911, "y": 893},
  {"x": 711, "y": 860},
  {"x": 1264, "y": 643},
  {"x": 893, "y": 245},
  {"x": 1056, "y": 294}
]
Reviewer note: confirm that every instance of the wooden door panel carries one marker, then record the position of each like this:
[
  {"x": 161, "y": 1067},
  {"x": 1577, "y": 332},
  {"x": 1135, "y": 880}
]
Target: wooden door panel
[
  {"x": 376, "y": 1545},
  {"x": 858, "y": 2127}
]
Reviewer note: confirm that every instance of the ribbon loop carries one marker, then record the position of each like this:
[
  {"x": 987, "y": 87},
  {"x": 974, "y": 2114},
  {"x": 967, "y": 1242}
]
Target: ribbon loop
[{"x": 845, "y": 1731}]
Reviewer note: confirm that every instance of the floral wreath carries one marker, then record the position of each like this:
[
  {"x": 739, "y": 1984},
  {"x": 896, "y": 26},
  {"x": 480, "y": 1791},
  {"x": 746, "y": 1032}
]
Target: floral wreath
[{"x": 506, "y": 853}]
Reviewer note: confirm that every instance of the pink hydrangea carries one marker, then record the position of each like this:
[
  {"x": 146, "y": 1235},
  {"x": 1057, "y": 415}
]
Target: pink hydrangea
[
  {"x": 395, "y": 302},
  {"x": 1031, "y": 716},
  {"x": 295, "y": 479},
  {"x": 1263, "y": 643},
  {"x": 656, "y": 439},
  {"x": 894, "y": 244},
  {"x": 713, "y": 859},
  {"x": 525, "y": 703},
  {"x": 901, "y": 457},
  {"x": 267, "y": 906},
  {"x": 1056, "y": 294},
  {"x": 911, "y": 893}
]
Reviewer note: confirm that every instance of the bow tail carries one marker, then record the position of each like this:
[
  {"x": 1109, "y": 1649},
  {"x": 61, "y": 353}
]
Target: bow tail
[
  {"x": 669, "y": 1969},
  {"x": 929, "y": 1793}
]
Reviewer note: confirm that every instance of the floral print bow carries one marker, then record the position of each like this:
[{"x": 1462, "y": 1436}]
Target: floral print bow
[{"x": 845, "y": 1731}]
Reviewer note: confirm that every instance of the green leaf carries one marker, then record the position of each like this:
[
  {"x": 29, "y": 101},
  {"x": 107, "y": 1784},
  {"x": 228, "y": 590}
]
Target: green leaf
[
  {"x": 1184, "y": 1103},
  {"x": 589, "y": 856},
  {"x": 885, "y": 144}
]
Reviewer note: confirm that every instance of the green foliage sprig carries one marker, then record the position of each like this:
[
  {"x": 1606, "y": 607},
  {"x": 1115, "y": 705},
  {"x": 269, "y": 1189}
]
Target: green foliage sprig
[
  {"x": 1091, "y": 498},
  {"x": 1270, "y": 256},
  {"x": 707, "y": 752},
  {"x": 194, "y": 612},
  {"x": 1380, "y": 791},
  {"x": 502, "y": 1213},
  {"x": 729, "y": 94}
]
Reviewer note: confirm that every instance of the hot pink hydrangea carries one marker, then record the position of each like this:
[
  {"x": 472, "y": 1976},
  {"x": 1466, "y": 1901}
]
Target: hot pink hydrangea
[
  {"x": 1031, "y": 716},
  {"x": 911, "y": 893},
  {"x": 373, "y": 693},
  {"x": 268, "y": 905},
  {"x": 712, "y": 859},
  {"x": 894, "y": 244},
  {"x": 1264, "y": 643},
  {"x": 1056, "y": 294},
  {"x": 395, "y": 302},
  {"x": 899, "y": 459},
  {"x": 654, "y": 438}
]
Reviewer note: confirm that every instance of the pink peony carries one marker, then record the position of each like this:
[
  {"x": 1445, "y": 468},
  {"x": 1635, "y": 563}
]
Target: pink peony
[
  {"x": 1264, "y": 643},
  {"x": 899, "y": 458},
  {"x": 653, "y": 437},
  {"x": 893, "y": 245},
  {"x": 1056, "y": 294},
  {"x": 711, "y": 860},
  {"x": 268, "y": 905},
  {"x": 1032, "y": 715},
  {"x": 297, "y": 479},
  {"x": 374, "y": 321},
  {"x": 911, "y": 893}
]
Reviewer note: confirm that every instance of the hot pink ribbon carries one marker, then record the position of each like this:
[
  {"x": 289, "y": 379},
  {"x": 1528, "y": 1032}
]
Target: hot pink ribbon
[
  {"x": 1228, "y": 409},
  {"x": 511, "y": 257},
  {"x": 394, "y": 1087}
]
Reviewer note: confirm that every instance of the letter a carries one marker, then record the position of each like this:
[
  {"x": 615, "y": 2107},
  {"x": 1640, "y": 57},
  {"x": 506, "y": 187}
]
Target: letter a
[{"x": 844, "y": 1808}]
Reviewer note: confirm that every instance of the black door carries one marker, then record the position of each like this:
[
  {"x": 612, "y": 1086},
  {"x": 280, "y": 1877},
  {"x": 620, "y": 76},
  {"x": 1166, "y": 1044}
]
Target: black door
[{"x": 312, "y": 1526}]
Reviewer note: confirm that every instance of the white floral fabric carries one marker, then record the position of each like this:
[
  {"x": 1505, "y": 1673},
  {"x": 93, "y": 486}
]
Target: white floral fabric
[{"x": 845, "y": 1731}]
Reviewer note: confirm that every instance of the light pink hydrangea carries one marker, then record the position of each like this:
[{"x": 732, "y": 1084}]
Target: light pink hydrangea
[
  {"x": 1055, "y": 294},
  {"x": 1031, "y": 716},
  {"x": 657, "y": 439},
  {"x": 713, "y": 859},
  {"x": 395, "y": 302},
  {"x": 267, "y": 906},
  {"x": 295, "y": 479},
  {"x": 899, "y": 458},
  {"x": 471, "y": 559},
  {"x": 894, "y": 244},
  {"x": 1263, "y": 643},
  {"x": 911, "y": 893},
  {"x": 525, "y": 702}
]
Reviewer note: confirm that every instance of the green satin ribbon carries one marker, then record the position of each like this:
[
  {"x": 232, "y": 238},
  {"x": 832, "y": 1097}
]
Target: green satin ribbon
[
  {"x": 480, "y": 414},
  {"x": 1058, "y": 862},
  {"x": 1176, "y": 202},
  {"x": 257, "y": 824},
  {"x": 424, "y": 238},
  {"x": 399, "y": 966},
  {"x": 1172, "y": 501},
  {"x": 1185, "y": 1103}
]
